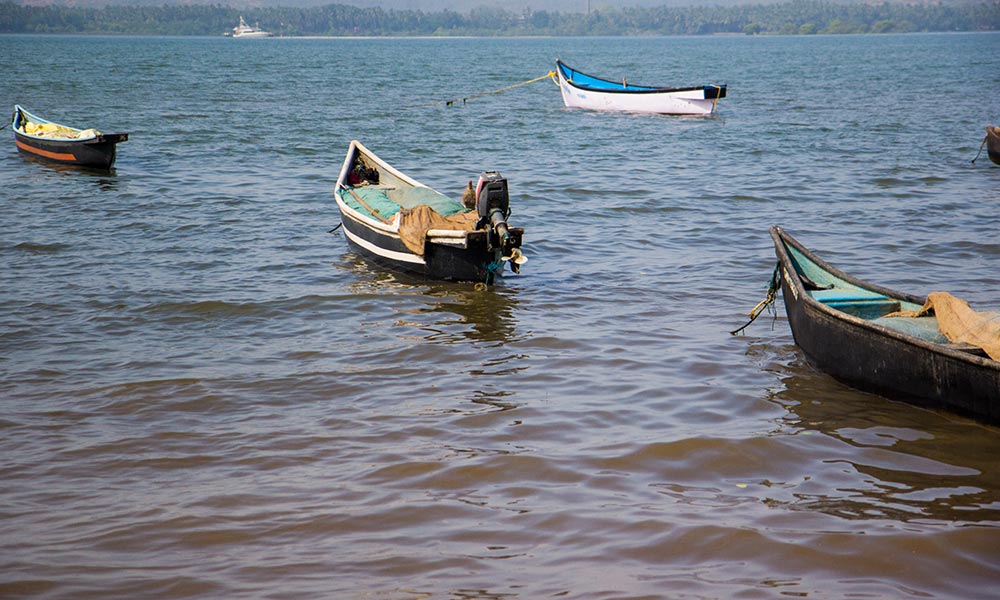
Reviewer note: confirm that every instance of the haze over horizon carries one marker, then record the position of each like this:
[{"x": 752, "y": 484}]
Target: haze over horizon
[{"x": 439, "y": 5}]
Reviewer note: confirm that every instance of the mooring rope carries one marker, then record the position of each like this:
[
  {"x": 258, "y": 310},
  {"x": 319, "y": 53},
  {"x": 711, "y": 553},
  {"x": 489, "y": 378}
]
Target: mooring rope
[
  {"x": 715, "y": 101},
  {"x": 772, "y": 291},
  {"x": 985, "y": 139},
  {"x": 550, "y": 75}
]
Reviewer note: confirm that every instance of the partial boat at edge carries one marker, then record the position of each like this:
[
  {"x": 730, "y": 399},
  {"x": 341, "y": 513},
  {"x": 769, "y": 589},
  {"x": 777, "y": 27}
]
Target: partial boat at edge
[
  {"x": 846, "y": 328},
  {"x": 993, "y": 143}
]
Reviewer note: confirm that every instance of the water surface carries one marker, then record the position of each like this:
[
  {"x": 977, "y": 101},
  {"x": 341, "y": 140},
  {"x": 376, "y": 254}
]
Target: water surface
[{"x": 206, "y": 394}]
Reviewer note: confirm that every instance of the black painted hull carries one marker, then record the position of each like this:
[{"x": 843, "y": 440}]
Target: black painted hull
[
  {"x": 457, "y": 252},
  {"x": 873, "y": 358},
  {"x": 97, "y": 153},
  {"x": 475, "y": 262}
]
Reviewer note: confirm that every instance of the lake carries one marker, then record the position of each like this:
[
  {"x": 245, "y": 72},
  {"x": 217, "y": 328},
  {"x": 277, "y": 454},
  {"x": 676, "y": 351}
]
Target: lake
[{"x": 206, "y": 394}]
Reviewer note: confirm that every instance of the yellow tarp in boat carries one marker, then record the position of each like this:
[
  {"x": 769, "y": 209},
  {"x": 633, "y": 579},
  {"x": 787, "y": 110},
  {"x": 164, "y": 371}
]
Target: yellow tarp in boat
[
  {"x": 415, "y": 222},
  {"x": 959, "y": 323},
  {"x": 52, "y": 130}
]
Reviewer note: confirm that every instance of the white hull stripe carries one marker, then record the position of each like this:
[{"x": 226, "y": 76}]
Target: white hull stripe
[{"x": 398, "y": 256}]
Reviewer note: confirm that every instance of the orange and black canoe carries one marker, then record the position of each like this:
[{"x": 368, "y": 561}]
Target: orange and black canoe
[{"x": 52, "y": 142}]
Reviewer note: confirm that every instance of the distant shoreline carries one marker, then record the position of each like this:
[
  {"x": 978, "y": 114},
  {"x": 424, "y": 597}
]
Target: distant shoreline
[
  {"x": 475, "y": 37},
  {"x": 799, "y": 17}
]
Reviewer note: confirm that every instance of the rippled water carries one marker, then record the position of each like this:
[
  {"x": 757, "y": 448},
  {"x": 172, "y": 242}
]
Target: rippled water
[{"x": 205, "y": 394}]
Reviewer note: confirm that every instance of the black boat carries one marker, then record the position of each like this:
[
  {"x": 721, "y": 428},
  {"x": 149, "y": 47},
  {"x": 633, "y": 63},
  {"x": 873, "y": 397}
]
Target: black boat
[
  {"x": 880, "y": 340},
  {"x": 52, "y": 142},
  {"x": 400, "y": 223}
]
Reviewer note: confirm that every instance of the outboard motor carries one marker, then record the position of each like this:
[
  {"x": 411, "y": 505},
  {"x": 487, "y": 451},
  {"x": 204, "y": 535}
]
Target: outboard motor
[{"x": 493, "y": 207}]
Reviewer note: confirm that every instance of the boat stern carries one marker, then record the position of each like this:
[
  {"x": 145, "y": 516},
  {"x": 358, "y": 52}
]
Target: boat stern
[{"x": 493, "y": 208}]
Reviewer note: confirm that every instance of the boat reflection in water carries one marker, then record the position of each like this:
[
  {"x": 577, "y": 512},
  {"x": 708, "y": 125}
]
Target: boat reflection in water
[
  {"x": 106, "y": 180},
  {"x": 468, "y": 313},
  {"x": 446, "y": 313},
  {"x": 893, "y": 461}
]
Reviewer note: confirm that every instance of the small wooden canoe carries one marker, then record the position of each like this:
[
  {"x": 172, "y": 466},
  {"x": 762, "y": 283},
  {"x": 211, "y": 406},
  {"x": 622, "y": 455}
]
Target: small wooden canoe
[
  {"x": 846, "y": 328},
  {"x": 580, "y": 90},
  {"x": 52, "y": 142},
  {"x": 398, "y": 222}
]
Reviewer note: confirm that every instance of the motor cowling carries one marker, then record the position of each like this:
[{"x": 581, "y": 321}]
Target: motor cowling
[
  {"x": 492, "y": 195},
  {"x": 493, "y": 208}
]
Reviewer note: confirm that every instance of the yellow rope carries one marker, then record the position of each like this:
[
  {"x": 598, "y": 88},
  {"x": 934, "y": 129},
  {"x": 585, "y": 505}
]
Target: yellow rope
[
  {"x": 715, "y": 101},
  {"x": 549, "y": 75}
]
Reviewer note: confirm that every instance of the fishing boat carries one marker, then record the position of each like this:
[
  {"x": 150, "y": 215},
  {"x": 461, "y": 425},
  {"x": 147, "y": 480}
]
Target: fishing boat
[
  {"x": 247, "y": 31},
  {"x": 52, "y": 142},
  {"x": 888, "y": 342},
  {"x": 993, "y": 143},
  {"x": 402, "y": 224},
  {"x": 580, "y": 90}
]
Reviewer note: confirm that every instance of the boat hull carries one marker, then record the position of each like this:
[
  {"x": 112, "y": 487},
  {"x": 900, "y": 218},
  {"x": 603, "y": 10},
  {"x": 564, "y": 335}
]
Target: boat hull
[
  {"x": 599, "y": 94},
  {"x": 91, "y": 149},
  {"x": 96, "y": 153},
  {"x": 449, "y": 259},
  {"x": 451, "y": 255},
  {"x": 877, "y": 359}
]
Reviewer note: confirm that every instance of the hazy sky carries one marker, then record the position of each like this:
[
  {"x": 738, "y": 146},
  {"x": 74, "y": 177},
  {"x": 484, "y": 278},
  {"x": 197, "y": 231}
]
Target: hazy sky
[{"x": 426, "y": 5}]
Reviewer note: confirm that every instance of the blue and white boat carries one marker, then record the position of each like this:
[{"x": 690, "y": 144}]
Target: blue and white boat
[{"x": 580, "y": 90}]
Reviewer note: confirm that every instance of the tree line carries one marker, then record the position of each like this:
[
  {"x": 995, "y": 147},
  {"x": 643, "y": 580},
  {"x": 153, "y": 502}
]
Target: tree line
[{"x": 794, "y": 17}]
